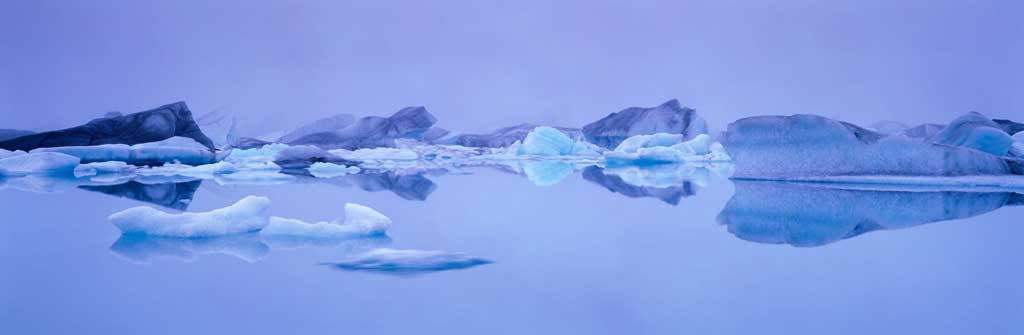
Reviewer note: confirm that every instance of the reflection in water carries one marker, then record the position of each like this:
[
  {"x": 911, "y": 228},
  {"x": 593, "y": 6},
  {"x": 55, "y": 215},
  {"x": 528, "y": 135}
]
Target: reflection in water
[
  {"x": 250, "y": 247},
  {"x": 408, "y": 186},
  {"x": 145, "y": 249},
  {"x": 407, "y": 262},
  {"x": 808, "y": 215},
  {"x": 669, "y": 193},
  {"x": 172, "y": 195}
]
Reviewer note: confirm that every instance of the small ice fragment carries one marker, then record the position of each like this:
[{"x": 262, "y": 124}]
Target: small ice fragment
[
  {"x": 408, "y": 262},
  {"x": 359, "y": 221},
  {"x": 331, "y": 170},
  {"x": 246, "y": 215}
]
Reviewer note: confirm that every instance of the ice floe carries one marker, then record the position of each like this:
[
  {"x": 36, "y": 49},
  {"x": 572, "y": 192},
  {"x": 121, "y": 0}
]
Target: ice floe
[
  {"x": 408, "y": 262},
  {"x": 359, "y": 221},
  {"x": 246, "y": 215}
]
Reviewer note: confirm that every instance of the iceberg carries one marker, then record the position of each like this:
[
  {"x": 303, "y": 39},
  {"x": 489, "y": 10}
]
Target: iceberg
[
  {"x": 148, "y": 126},
  {"x": 408, "y": 262},
  {"x": 775, "y": 147},
  {"x": 299, "y": 157},
  {"x": 175, "y": 149},
  {"x": 668, "y": 117},
  {"x": 45, "y": 163},
  {"x": 6, "y": 134},
  {"x": 246, "y": 215},
  {"x": 111, "y": 167},
  {"x": 665, "y": 148},
  {"x": 502, "y": 137},
  {"x": 373, "y": 131},
  {"x": 331, "y": 170},
  {"x": 977, "y": 132},
  {"x": 220, "y": 126},
  {"x": 360, "y": 221},
  {"x": 548, "y": 141},
  {"x": 810, "y": 215},
  {"x": 1009, "y": 127},
  {"x": 330, "y": 123}
]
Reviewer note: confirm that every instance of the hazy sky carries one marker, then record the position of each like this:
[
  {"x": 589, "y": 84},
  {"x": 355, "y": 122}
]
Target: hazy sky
[{"x": 479, "y": 65}]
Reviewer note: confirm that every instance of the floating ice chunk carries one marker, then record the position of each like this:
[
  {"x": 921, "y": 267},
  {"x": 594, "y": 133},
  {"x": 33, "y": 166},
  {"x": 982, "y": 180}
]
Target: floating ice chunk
[
  {"x": 665, "y": 148},
  {"x": 359, "y": 221},
  {"x": 975, "y": 131},
  {"x": 181, "y": 149},
  {"x": 302, "y": 156},
  {"x": 8, "y": 153},
  {"x": 48, "y": 163},
  {"x": 111, "y": 167},
  {"x": 408, "y": 262},
  {"x": 810, "y": 145},
  {"x": 502, "y": 137},
  {"x": 376, "y": 154},
  {"x": 265, "y": 153},
  {"x": 246, "y": 215},
  {"x": 546, "y": 141},
  {"x": 208, "y": 170},
  {"x": 331, "y": 170}
]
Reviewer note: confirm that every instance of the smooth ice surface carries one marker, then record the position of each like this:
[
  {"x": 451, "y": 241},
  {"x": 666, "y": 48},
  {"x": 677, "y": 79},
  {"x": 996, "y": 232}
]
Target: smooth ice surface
[
  {"x": 359, "y": 221},
  {"x": 147, "y": 249},
  {"x": 38, "y": 163},
  {"x": 975, "y": 131},
  {"x": 810, "y": 145},
  {"x": 246, "y": 215},
  {"x": 408, "y": 262}
]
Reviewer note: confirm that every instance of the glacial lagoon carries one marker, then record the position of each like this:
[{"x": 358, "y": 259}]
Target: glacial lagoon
[{"x": 566, "y": 249}]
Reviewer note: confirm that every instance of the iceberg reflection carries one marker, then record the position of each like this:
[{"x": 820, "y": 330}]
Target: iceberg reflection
[
  {"x": 407, "y": 262},
  {"x": 171, "y": 195},
  {"x": 810, "y": 215},
  {"x": 145, "y": 248}
]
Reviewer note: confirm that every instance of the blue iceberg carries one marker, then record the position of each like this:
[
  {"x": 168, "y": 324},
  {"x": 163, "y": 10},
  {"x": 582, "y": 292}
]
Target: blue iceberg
[
  {"x": 246, "y": 215},
  {"x": 668, "y": 117}
]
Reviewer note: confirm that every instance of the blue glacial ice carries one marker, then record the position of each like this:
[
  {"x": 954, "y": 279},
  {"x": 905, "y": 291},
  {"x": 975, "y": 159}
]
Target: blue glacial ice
[
  {"x": 977, "y": 132},
  {"x": 808, "y": 215},
  {"x": 104, "y": 168},
  {"x": 668, "y": 117},
  {"x": 331, "y": 170},
  {"x": 175, "y": 149},
  {"x": 408, "y": 262},
  {"x": 246, "y": 215},
  {"x": 548, "y": 141},
  {"x": 665, "y": 148},
  {"x": 502, "y": 137},
  {"x": 359, "y": 221},
  {"x": 801, "y": 146},
  {"x": 39, "y": 163}
]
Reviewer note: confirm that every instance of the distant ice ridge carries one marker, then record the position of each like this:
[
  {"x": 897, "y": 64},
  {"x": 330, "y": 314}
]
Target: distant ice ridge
[
  {"x": 666, "y": 148},
  {"x": 246, "y": 215},
  {"x": 408, "y": 262},
  {"x": 359, "y": 221}
]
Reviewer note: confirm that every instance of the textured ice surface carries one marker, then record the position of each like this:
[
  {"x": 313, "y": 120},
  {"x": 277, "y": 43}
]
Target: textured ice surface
[
  {"x": 373, "y": 131},
  {"x": 502, "y": 137},
  {"x": 359, "y": 221},
  {"x": 302, "y": 156},
  {"x": 220, "y": 126},
  {"x": 149, "y": 126},
  {"x": 810, "y": 145},
  {"x": 975, "y": 131},
  {"x": 669, "y": 117},
  {"x": 99, "y": 168},
  {"x": 330, "y": 123},
  {"x": 813, "y": 215},
  {"x": 548, "y": 141},
  {"x": 665, "y": 148},
  {"x": 330, "y": 170},
  {"x": 38, "y": 163},
  {"x": 408, "y": 262},
  {"x": 246, "y": 215},
  {"x": 175, "y": 149}
]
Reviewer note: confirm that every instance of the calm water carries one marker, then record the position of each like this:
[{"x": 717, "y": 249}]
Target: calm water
[{"x": 572, "y": 257}]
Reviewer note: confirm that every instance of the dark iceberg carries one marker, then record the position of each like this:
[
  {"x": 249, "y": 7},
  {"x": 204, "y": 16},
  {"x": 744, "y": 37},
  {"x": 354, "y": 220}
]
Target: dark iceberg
[
  {"x": 1009, "y": 127},
  {"x": 809, "y": 215},
  {"x": 295, "y": 159},
  {"x": 373, "y": 131},
  {"x": 502, "y": 137},
  {"x": 331, "y": 123},
  {"x": 148, "y": 126},
  {"x": 171, "y": 195},
  {"x": 407, "y": 186},
  {"x": 668, "y": 117},
  {"x": 6, "y": 134},
  {"x": 669, "y": 195}
]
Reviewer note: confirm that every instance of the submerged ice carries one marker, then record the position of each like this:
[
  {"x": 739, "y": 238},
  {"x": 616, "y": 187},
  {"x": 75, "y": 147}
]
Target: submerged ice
[
  {"x": 359, "y": 221},
  {"x": 408, "y": 262}
]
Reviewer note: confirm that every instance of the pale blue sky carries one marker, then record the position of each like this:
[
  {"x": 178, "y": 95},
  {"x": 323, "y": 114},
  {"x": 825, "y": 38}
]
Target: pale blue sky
[{"x": 479, "y": 65}]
